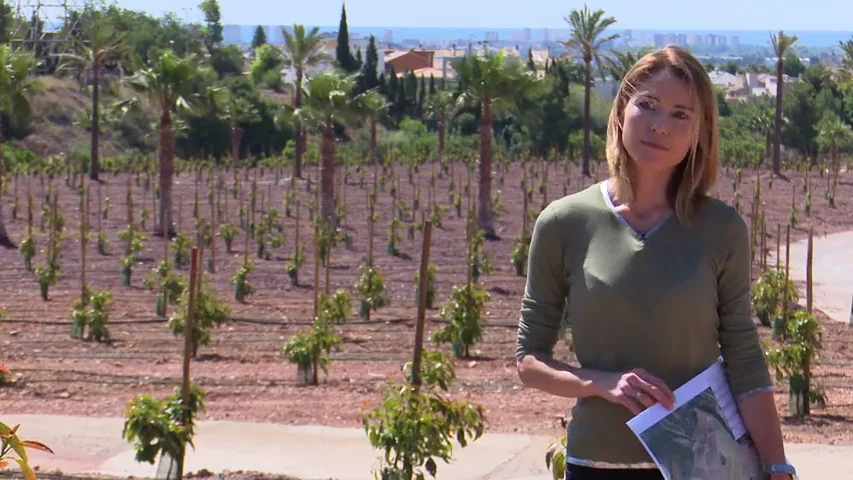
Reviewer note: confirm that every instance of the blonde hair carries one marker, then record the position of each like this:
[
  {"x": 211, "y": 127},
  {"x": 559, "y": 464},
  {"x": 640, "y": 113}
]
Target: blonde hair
[{"x": 694, "y": 176}]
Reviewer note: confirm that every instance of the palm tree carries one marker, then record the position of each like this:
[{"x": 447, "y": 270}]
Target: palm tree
[
  {"x": 846, "y": 70},
  {"x": 781, "y": 45},
  {"x": 301, "y": 51},
  {"x": 100, "y": 44},
  {"x": 831, "y": 131},
  {"x": 587, "y": 40},
  {"x": 621, "y": 63},
  {"x": 224, "y": 104},
  {"x": 494, "y": 83},
  {"x": 166, "y": 82},
  {"x": 439, "y": 107},
  {"x": 15, "y": 85},
  {"x": 327, "y": 98},
  {"x": 372, "y": 105},
  {"x": 762, "y": 123}
]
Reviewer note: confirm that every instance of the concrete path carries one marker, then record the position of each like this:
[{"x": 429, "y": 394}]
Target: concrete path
[
  {"x": 833, "y": 273},
  {"x": 94, "y": 445}
]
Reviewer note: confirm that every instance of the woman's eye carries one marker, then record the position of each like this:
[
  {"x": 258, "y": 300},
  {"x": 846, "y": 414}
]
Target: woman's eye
[
  {"x": 644, "y": 104},
  {"x": 681, "y": 115}
]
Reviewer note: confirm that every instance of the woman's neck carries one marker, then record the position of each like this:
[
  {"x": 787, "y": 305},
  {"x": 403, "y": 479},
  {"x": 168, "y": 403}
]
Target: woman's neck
[{"x": 650, "y": 192}]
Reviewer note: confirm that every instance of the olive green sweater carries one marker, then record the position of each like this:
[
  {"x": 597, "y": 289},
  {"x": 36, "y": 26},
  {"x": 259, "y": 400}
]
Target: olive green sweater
[{"x": 670, "y": 302}]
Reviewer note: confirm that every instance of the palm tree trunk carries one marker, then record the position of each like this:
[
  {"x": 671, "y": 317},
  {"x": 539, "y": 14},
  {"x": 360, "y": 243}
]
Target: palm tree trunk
[
  {"x": 327, "y": 175},
  {"x": 94, "y": 161},
  {"x": 777, "y": 133},
  {"x": 586, "y": 115},
  {"x": 235, "y": 143},
  {"x": 484, "y": 210},
  {"x": 4, "y": 236},
  {"x": 372, "y": 141},
  {"x": 835, "y": 166},
  {"x": 441, "y": 133},
  {"x": 300, "y": 133},
  {"x": 167, "y": 169},
  {"x": 768, "y": 146}
]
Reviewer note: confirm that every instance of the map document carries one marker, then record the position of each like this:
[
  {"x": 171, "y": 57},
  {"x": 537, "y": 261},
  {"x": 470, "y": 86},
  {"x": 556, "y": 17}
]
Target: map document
[{"x": 703, "y": 436}]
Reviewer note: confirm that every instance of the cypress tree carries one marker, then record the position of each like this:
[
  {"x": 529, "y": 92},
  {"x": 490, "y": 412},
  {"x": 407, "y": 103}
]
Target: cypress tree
[
  {"x": 422, "y": 94},
  {"x": 382, "y": 84},
  {"x": 431, "y": 84},
  {"x": 400, "y": 103},
  {"x": 260, "y": 37},
  {"x": 343, "y": 53},
  {"x": 393, "y": 84},
  {"x": 368, "y": 78},
  {"x": 411, "y": 88}
]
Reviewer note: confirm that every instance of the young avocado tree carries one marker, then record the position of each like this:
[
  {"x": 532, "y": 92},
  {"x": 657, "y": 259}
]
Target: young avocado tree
[{"x": 417, "y": 425}]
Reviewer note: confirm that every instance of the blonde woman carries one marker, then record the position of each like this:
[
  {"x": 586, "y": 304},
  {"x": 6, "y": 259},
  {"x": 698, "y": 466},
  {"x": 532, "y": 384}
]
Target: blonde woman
[{"x": 654, "y": 273}]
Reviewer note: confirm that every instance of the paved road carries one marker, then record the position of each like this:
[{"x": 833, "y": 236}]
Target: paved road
[
  {"x": 94, "y": 445},
  {"x": 833, "y": 273}
]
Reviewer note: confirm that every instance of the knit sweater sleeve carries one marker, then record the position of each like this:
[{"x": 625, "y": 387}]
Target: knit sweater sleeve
[
  {"x": 746, "y": 368},
  {"x": 546, "y": 287}
]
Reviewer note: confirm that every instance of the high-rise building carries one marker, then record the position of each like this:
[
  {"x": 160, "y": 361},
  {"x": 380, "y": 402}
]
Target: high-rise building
[
  {"x": 528, "y": 35},
  {"x": 388, "y": 36},
  {"x": 735, "y": 41},
  {"x": 546, "y": 34},
  {"x": 659, "y": 39},
  {"x": 231, "y": 34},
  {"x": 491, "y": 36}
]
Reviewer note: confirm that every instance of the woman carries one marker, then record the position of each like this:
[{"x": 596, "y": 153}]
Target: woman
[{"x": 655, "y": 276}]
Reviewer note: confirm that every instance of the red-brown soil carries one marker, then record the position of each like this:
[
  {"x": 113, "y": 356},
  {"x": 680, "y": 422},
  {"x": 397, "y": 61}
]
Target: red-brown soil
[{"x": 243, "y": 373}]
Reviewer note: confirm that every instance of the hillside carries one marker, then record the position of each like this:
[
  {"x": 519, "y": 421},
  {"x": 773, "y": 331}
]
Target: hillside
[{"x": 60, "y": 118}]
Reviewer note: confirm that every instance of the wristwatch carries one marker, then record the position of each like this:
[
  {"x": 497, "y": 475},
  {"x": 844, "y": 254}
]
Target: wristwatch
[{"x": 782, "y": 468}]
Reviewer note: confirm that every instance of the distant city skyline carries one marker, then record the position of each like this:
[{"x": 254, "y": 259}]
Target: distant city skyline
[{"x": 660, "y": 15}]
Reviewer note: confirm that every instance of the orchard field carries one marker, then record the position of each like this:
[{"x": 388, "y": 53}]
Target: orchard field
[{"x": 243, "y": 372}]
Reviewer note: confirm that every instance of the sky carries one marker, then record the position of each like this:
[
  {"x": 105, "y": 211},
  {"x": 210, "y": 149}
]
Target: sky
[{"x": 650, "y": 14}]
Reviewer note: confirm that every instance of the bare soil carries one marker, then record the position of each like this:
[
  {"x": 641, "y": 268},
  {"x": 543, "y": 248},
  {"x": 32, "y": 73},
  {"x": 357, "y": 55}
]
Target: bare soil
[{"x": 242, "y": 371}]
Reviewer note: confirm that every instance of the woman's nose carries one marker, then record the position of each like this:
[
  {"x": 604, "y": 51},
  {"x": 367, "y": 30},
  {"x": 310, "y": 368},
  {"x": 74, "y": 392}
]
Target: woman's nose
[{"x": 659, "y": 125}]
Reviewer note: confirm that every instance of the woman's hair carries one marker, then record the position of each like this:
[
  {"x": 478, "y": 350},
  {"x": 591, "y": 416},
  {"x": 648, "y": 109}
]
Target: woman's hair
[{"x": 694, "y": 177}]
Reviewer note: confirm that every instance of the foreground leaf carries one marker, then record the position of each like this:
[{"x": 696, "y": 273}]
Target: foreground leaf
[{"x": 36, "y": 446}]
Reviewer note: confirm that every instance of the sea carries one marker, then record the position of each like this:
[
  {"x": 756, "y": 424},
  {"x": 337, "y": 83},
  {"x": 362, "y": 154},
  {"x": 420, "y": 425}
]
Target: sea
[{"x": 808, "y": 38}]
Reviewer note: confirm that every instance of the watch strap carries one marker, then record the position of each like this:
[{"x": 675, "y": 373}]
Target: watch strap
[{"x": 782, "y": 468}]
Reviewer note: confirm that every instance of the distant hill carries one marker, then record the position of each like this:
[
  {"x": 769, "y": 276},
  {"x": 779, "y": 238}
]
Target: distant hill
[{"x": 60, "y": 115}]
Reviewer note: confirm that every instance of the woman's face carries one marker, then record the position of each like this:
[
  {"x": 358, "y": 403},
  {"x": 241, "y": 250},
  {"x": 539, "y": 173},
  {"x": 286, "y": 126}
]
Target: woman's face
[{"x": 659, "y": 121}]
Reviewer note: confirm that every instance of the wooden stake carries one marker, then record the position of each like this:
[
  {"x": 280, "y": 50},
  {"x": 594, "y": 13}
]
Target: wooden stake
[
  {"x": 809, "y": 273},
  {"x": 83, "y": 233},
  {"x": 763, "y": 243},
  {"x": 422, "y": 301},
  {"x": 188, "y": 345},
  {"x": 328, "y": 267},
  {"x": 214, "y": 222},
  {"x": 316, "y": 270},
  {"x": 778, "y": 245},
  {"x": 787, "y": 268}
]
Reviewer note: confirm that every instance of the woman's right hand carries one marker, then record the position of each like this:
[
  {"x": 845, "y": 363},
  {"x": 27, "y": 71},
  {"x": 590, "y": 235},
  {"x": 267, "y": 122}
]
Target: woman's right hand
[{"x": 636, "y": 390}]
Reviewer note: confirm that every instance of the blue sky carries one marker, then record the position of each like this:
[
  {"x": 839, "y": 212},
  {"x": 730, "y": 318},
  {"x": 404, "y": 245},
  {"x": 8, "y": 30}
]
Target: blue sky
[{"x": 651, "y": 14}]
